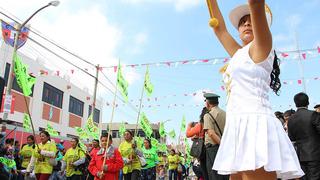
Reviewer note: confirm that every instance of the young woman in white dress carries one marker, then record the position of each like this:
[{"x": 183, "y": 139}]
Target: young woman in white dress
[{"x": 254, "y": 144}]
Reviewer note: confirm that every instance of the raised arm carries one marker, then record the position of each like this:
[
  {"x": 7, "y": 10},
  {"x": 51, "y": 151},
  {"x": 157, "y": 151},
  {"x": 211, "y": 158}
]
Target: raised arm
[
  {"x": 228, "y": 42},
  {"x": 262, "y": 42}
]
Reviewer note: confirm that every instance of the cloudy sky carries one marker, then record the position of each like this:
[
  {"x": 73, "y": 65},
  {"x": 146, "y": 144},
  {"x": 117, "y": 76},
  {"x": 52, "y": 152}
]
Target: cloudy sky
[{"x": 151, "y": 31}]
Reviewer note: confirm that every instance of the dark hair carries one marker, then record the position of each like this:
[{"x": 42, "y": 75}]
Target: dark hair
[
  {"x": 31, "y": 137},
  {"x": 130, "y": 132},
  {"x": 213, "y": 102},
  {"x": 9, "y": 141},
  {"x": 77, "y": 141},
  {"x": 149, "y": 141},
  {"x": 106, "y": 136},
  {"x": 289, "y": 112},
  {"x": 46, "y": 133},
  {"x": 23, "y": 145},
  {"x": 275, "y": 83},
  {"x": 203, "y": 112},
  {"x": 172, "y": 150},
  {"x": 96, "y": 140},
  {"x": 301, "y": 100}
]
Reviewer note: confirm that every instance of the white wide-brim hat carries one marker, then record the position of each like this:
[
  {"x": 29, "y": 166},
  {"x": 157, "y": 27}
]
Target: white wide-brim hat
[{"x": 237, "y": 13}]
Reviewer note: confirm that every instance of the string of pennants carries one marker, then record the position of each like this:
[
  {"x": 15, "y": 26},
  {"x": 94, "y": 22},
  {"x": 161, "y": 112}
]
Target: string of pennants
[
  {"x": 222, "y": 88},
  {"x": 284, "y": 55},
  {"x": 201, "y": 92},
  {"x": 292, "y": 55},
  {"x": 170, "y": 106}
]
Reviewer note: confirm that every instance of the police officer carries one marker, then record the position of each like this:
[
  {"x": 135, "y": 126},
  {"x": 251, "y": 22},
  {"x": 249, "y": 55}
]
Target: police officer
[{"x": 214, "y": 122}]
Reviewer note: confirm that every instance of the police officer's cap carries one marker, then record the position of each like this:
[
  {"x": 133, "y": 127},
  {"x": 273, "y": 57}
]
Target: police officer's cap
[
  {"x": 317, "y": 106},
  {"x": 211, "y": 97}
]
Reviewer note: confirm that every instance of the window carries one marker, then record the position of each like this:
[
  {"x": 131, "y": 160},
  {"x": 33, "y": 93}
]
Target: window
[
  {"x": 96, "y": 114},
  {"x": 76, "y": 106},
  {"x": 52, "y": 95},
  {"x": 140, "y": 133},
  {"x": 115, "y": 134},
  {"x": 6, "y": 73},
  {"x": 15, "y": 85},
  {"x": 72, "y": 136},
  {"x": 157, "y": 134}
]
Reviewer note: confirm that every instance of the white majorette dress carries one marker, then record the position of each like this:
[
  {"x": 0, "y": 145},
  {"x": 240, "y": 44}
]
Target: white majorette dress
[{"x": 253, "y": 137}]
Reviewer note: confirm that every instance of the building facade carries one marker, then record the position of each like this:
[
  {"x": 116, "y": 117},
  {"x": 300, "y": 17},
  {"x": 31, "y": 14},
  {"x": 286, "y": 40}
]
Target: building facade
[{"x": 54, "y": 99}]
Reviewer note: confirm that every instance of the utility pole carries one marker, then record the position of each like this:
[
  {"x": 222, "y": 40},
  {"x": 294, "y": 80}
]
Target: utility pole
[{"x": 15, "y": 48}]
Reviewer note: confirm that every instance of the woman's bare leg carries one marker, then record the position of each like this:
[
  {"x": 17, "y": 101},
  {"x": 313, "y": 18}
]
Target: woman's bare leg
[
  {"x": 259, "y": 174},
  {"x": 237, "y": 176}
]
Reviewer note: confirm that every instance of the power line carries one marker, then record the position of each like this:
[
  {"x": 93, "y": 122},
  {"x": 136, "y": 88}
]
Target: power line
[
  {"x": 62, "y": 58},
  {"x": 129, "y": 103}
]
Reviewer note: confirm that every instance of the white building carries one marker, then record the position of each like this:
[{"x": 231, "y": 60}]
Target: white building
[{"x": 54, "y": 100}]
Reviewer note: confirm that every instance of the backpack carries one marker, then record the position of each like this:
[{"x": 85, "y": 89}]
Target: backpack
[{"x": 84, "y": 167}]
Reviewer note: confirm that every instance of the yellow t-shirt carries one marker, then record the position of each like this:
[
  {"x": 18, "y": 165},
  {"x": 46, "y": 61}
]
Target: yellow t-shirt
[
  {"x": 70, "y": 157},
  {"x": 26, "y": 153},
  {"x": 42, "y": 165},
  {"x": 173, "y": 162},
  {"x": 126, "y": 151},
  {"x": 162, "y": 161}
]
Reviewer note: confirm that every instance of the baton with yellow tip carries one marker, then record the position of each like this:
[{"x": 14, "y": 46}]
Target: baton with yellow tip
[{"x": 213, "y": 21}]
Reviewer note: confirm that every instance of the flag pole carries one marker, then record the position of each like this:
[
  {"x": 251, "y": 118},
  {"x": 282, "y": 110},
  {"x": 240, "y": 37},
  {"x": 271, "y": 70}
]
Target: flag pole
[
  {"x": 21, "y": 139},
  {"x": 95, "y": 95},
  {"x": 31, "y": 122},
  {"x": 110, "y": 123},
  {"x": 141, "y": 100}
]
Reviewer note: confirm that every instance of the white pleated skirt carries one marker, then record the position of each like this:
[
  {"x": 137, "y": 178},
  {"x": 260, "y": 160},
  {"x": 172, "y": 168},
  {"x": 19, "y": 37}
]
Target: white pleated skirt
[{"x": 251, "y": 141}]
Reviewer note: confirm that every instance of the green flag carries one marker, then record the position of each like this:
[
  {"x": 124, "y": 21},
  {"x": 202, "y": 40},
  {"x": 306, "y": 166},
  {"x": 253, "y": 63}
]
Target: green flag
[
  {"x": 187, "y": 145},
  {"x": 147, "y": 83},
  {"x": 162, "y": 147},
  {"x": 24, "y": 80},
  {"x": 139, "y": 141},
  {"x": 122, "y": 83},
  {"x": 9, "y": 163},
  {"x": 172, "y": 134},
  {"x": 26, "y": 122},
  {"x": 82, "y": 146},
  {"x": 183, "y": 123},
  {"x": 145, "y": 125},
  {"x": 162, "y": 131},
  {"x": 122, "y": 129},
  {"x": 154, "y": 142},
  {"x": 91, "y": 128},
  {"x": 51, "y": 131},
  {"x": 81, "y": 133}
]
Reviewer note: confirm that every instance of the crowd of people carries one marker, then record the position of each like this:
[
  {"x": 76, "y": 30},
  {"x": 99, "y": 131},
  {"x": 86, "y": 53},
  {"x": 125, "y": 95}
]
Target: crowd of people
[
  {"x": 48, "y": 160},
  {"x": 301, "y": 125}
]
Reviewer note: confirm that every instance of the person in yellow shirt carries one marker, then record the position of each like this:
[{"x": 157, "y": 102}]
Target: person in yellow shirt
[
  {"x": 173, "y": 160},
  {"x": 129, "y": 153},
  {"x": 26, "y": 152},
  {"x": 43, "y": 157},
  {"x": 71, "y": 161}
]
